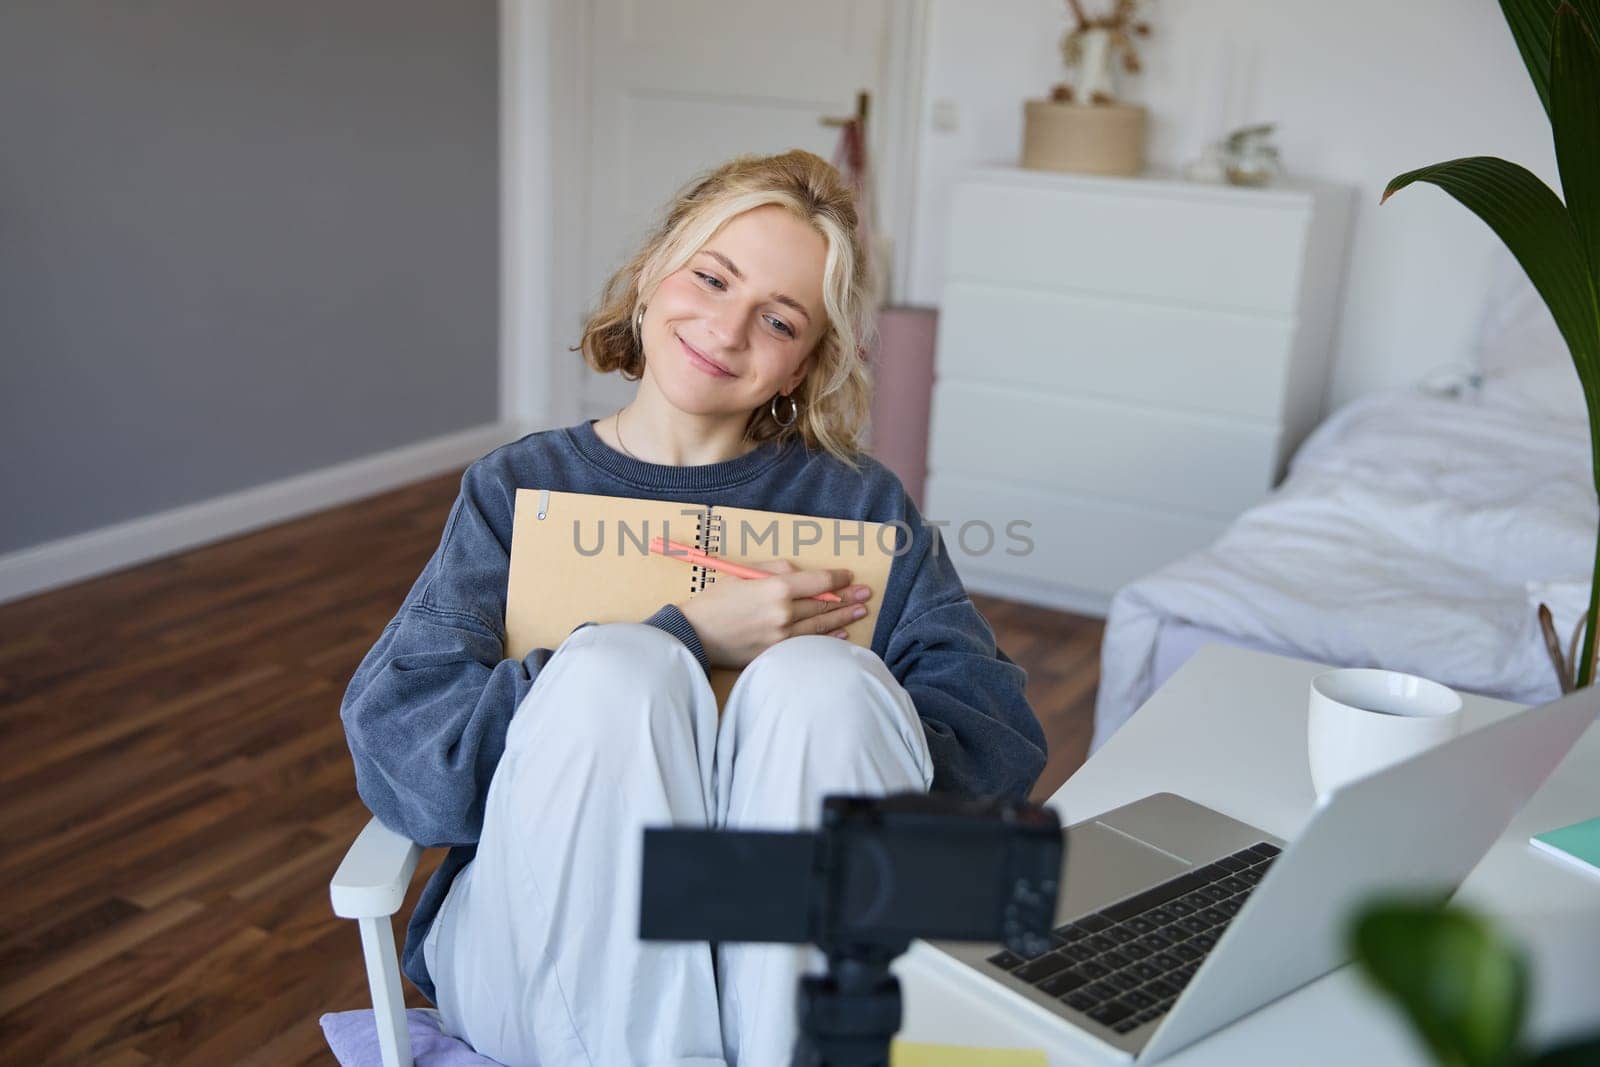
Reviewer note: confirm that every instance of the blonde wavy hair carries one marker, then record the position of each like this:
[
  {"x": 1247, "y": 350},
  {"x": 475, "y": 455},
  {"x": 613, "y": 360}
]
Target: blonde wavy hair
[{"x": 836, "y": 392}]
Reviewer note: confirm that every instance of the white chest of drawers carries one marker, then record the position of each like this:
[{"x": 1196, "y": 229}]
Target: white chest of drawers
[{"x": 1123, "y": 363}]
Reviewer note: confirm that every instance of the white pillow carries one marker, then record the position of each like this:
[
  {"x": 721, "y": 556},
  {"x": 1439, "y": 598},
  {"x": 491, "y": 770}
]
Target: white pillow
[
  {"x": 1525, "y": 361},
  {"x": 1550, "y": 392}
]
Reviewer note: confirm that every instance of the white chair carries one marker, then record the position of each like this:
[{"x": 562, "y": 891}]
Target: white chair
[{"x": 369, "y": 887}]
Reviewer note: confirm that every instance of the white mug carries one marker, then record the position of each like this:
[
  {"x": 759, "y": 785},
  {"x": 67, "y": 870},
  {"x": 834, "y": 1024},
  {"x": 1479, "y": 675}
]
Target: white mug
[{"x": 1365, "y": 719}]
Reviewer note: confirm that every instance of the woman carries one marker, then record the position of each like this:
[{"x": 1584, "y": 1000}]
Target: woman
[{"x": 740, "y": 319}]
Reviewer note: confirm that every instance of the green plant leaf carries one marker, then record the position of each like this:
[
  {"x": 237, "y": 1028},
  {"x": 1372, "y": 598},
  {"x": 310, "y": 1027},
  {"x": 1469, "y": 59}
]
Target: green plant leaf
[
  {"x": 1535, "y": 226},
  {"x": 1463, "y": 989},
  {"x": 1531, "y": 23},
  {"x": 1575, "y": 120}
]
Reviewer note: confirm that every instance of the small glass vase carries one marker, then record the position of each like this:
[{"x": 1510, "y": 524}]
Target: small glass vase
[{"x": 1252, "y": 163}]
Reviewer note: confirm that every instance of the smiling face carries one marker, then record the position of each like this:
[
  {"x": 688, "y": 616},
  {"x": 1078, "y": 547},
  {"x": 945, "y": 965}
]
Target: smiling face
[{"x": 736, "y": 324}]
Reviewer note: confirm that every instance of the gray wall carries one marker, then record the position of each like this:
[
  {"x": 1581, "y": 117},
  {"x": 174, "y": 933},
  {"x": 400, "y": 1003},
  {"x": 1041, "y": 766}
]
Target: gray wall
[{"x": 239, "y": 240}]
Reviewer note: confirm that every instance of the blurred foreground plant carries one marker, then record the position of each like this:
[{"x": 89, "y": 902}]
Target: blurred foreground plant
[{"x": 1463, "y": 988}]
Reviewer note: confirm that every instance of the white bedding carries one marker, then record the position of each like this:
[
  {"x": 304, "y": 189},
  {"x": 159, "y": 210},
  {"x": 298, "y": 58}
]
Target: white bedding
[{"x": 1413, "y": 532}]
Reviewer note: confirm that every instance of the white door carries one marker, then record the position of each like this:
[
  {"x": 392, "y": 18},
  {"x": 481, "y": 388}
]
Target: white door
[{"x": 679, "y": 86}]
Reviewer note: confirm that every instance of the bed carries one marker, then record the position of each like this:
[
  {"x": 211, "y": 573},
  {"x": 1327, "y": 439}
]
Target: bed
[{"x": 1416, "y": 530}]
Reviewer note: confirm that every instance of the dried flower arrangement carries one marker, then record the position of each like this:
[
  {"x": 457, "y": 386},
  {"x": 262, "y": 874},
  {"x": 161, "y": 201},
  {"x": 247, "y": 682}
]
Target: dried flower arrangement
[{"x": 1092, "y": 44}]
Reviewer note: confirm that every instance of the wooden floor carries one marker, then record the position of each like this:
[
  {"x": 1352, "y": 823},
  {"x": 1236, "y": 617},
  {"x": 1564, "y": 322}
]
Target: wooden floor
[{"x": 176, "y": 790}]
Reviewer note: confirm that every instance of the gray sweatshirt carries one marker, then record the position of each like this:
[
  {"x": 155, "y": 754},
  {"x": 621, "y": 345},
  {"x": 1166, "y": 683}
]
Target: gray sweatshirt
[{"x": 426, "y": 712}]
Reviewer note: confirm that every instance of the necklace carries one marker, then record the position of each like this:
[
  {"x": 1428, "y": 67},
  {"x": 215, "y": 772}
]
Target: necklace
[{"x": 616, "y": 426}]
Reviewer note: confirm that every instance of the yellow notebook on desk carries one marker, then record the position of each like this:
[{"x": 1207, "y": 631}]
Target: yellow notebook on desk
[{"x": 580, "y": 557}]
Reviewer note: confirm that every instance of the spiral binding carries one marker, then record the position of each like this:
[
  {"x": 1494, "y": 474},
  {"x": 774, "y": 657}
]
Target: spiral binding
[{"x": 708, "y": 538}]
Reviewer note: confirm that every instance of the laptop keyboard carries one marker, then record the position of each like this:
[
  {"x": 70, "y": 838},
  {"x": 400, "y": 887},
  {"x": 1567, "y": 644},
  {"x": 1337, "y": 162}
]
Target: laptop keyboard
[{"x": 1123, "y": 966}]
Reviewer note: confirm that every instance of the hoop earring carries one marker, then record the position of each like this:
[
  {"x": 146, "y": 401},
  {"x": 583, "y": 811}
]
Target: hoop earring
[
  {"x": 794, "y": 410},
  {"x": 638, "y": 321}
]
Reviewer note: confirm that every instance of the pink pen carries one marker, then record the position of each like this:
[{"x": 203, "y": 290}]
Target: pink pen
[{"x": 673, "y": 550}]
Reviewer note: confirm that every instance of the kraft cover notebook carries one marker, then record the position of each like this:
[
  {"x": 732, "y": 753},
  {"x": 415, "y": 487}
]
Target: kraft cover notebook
[{"x": 581, "y": 557}]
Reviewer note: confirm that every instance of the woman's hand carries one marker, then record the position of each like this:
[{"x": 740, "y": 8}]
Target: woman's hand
[{"x": 738, "y": 619}]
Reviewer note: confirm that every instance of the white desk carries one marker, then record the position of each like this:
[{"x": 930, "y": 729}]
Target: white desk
[{"x": 1229, "y": 731}]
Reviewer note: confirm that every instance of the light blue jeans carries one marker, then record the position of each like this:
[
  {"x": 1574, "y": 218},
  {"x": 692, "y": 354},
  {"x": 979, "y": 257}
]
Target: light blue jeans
[{"x": 535, "y": 953}]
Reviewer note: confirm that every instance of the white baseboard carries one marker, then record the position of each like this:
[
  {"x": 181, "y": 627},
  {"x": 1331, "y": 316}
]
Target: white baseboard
[{"x": 72, "y": 559}]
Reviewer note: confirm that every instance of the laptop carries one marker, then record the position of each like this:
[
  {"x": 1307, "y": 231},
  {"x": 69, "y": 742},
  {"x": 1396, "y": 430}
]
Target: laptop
[{"x": 1174, "y": 919}]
